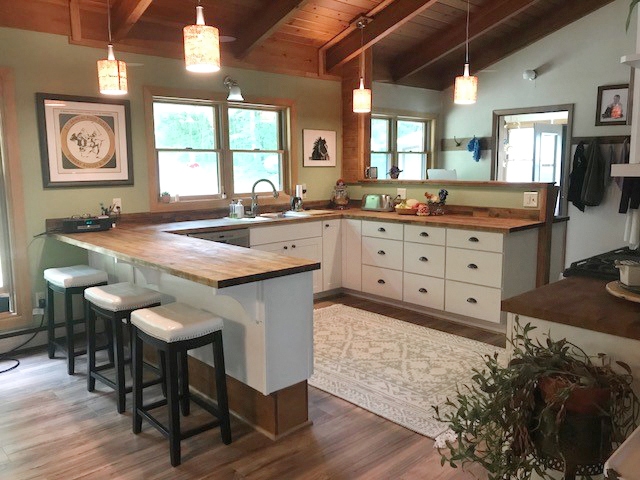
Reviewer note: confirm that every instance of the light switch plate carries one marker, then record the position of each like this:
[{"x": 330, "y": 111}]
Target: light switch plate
[
  {"x": 530, "y": 200},
  {"x": 402, "y": 193}
]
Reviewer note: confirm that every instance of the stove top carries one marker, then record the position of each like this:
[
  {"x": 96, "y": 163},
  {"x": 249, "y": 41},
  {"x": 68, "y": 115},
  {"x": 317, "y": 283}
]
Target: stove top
[{"x": 602, "y": 266}]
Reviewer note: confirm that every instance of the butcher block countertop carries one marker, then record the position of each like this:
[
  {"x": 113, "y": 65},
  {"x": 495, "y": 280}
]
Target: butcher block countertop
[
  {"x": 579, "y": 302},
  {"x": 220, "y": 265}
]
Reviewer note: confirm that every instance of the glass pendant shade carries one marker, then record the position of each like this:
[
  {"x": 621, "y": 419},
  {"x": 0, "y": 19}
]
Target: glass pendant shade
[
  {"x": 235, "y": 94},
  {"x": 112, "y": 75},
  {"x": 361, "y": 99},
  {"x": 465, "y": 90},
  {"x": 201, "y": 46}
]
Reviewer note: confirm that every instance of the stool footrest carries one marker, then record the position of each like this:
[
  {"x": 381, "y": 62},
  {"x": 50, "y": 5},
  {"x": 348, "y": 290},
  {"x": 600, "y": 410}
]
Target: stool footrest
[
  {"x": 152, "y": 420},
  {"x": 196, "y": 430}
]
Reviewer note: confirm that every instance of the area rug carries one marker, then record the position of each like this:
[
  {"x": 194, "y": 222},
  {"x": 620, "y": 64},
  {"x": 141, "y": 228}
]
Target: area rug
[{"x": 392, "y": 368}]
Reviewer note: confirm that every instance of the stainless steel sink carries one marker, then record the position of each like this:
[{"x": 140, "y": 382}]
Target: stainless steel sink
[{"x": 247, "y": 219}]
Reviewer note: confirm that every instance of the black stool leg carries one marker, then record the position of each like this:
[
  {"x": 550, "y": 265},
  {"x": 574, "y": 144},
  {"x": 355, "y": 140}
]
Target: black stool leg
[
  {"x": 51, "y": 330},
  {"x": 221, "y": 388},
  {"x": 174, "y": 407},
  {"x": 185, "y": 403},
  {"x": 117, "y": 329},
  {"x": 68, "y": 324},
  {"x": 90, "y": 315},
  {"x": 163, "y": 372},
  {"x": 136, "y": 359}
]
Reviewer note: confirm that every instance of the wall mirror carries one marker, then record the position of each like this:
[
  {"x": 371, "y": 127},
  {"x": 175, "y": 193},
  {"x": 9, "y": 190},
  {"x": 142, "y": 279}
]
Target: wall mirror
[{"x": 534, "y": 145}]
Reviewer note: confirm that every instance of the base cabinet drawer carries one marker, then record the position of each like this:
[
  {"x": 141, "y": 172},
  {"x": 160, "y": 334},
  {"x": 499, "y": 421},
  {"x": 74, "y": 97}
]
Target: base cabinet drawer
[
  {"x": 423, "y": 290},
  {"x": 382, "y": 282},
  {"x": 381, "y": 252},
  {"x": 424, "y": 259},
  {"x": 482, "y": 268},
  {"x": 473, "y": 300}
]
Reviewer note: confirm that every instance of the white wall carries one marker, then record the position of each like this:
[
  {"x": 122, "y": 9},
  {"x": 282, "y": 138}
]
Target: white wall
[
  {"x": 399, "y": 97},
  {"x": 571, "y": 64}
]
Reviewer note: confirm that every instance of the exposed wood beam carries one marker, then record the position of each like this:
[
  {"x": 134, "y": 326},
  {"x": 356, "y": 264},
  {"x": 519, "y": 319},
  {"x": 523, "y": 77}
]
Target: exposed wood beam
[
  {"x": 443, "y": 43},
  {"x": 125, "y": 14},
  {"x": 440, "y": 76},
  {"x": 74, "y": 16},
  {"x": 388, "y": 20},
  {"x": 272, "y": 16}
]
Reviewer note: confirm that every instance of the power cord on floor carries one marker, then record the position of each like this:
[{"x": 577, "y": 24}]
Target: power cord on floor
[{"x": 4, "y": 356}]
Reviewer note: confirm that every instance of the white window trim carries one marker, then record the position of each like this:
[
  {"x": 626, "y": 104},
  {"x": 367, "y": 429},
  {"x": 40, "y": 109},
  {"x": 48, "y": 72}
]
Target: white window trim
[{"x": 290, "y": 167}]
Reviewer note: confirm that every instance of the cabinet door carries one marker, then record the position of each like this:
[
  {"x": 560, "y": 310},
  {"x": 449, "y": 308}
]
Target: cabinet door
[
  {"x": 310, "y": 249},
  {"x": 391, "y": 231},
  {"x": 381, "y": 252},
  {"x": 424, "y": 259},
  {"x": 331, "y": 255},
  {"x": 382, "y": 281},
  {"x": 472, "y": 266},
  {"x": 473, "y": 300},
  {"x": 352, "y": 254},
  {"x": 423, "y": 290}
]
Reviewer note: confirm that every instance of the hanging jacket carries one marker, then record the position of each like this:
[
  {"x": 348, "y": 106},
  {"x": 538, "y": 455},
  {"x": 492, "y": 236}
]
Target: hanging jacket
[
  {"x": 594, "y": 182},
  {"x": 576, "y": 178}
]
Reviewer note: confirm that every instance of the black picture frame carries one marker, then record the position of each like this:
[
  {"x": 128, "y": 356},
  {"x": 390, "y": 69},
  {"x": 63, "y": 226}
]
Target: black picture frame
[
  {"x": 611, "y": 110},
  {"x": 84, "y": 141}
]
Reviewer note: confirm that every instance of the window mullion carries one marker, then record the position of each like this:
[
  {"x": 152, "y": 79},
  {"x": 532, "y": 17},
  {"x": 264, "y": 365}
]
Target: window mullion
[{"x": 226, "y": 156}]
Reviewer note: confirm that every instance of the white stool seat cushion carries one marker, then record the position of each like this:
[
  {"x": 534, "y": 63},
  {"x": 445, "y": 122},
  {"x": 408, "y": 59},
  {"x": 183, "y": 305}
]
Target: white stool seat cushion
[
  {"x": 76, "y": 276},
  {"x": 175, "y": 322},
  {"x": 121, "y": 296}
]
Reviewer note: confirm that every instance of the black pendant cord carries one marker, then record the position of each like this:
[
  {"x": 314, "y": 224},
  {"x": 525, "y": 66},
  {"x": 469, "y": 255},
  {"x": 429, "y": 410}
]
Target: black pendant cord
[
  {"x": 109, "y": 20},
  {"x": 466, "y": 57}
]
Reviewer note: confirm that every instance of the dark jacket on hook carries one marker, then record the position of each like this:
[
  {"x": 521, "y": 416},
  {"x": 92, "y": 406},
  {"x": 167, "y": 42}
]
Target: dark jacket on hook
[
  {"x": 576, "y": 178},
  {"x": 594, "y": 179}
]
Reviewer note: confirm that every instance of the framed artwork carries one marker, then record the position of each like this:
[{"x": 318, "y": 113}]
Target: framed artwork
[
  {"x": 84, "y": 142},
  {"x": 319, "y": 148},
  {"x": 614, "y": 104}
]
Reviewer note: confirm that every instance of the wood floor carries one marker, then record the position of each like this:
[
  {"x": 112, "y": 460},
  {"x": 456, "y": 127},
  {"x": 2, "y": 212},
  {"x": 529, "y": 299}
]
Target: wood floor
[{"x": 52, "y": 428}]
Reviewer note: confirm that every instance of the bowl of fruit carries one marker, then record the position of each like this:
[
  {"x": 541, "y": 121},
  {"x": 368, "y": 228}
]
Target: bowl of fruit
[{"x": 407, "y": 207}]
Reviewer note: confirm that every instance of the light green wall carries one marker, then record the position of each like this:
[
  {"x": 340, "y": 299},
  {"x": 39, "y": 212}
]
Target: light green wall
[{"x": 48, "y": 63}]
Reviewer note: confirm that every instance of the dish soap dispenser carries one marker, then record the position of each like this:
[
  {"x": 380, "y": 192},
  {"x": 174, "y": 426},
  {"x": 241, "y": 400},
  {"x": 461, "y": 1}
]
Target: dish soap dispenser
[{"x": 239, "y": 209}]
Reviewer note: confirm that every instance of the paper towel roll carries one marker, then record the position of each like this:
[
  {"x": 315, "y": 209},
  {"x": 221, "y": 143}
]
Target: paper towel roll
[{"x": 299, "y": 191}]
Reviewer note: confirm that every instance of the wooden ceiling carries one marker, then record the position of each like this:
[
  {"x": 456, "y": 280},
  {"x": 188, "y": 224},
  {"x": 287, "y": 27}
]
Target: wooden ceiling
[{"x": 419, "y": 43}]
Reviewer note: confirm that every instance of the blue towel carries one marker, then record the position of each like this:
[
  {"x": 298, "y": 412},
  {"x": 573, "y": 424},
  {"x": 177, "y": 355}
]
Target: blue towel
[{"x": 474, "y": 146}]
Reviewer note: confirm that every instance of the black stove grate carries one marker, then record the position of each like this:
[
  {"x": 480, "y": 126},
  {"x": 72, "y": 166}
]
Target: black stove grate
[{"x": 602, "y": 266}]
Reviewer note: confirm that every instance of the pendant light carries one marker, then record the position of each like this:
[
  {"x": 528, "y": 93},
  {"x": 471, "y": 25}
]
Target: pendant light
[
  {"x": 361, "y": 95},
  {"x": 465, "y": 90},
  {"x": 112, "y": 73},
  {"x": 201, "y": 45}
]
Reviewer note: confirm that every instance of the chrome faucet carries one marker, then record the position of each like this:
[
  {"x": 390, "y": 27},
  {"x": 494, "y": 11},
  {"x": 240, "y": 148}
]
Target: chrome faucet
[{"x": 254, "y": 195}]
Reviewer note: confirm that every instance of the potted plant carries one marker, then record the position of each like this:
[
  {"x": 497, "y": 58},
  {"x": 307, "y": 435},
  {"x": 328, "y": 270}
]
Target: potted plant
[
  {"x": 550, "y": 406},
  {"x": 394, "y": 172},
  {"x": 165, "y": 197}
]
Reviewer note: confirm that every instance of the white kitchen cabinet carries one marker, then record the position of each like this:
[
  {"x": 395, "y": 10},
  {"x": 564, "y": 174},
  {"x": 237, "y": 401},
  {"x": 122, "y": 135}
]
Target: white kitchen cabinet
[
  {"x": 425, "y": 234},
  {"x": 391, "y": 231},
  {"x": 308, "y": 248},
  {"x": 381, "y": 252},
  {"x": 383, "y": 282},
  {"x": 423, "y": 290},
  {"x": 331, "y": 254},
  {"x": 351, "y": 254},
  {"x": 382, "y": 257}
]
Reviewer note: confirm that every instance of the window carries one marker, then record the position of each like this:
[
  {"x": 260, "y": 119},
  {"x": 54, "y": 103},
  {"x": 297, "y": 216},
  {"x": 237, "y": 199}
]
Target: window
[
  {"x": 207, "y": 148},
  {"x": 404, "y": 142}
]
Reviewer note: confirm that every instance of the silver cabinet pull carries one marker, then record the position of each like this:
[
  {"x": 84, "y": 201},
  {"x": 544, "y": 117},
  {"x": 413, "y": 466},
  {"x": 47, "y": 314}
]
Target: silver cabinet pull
[
  {"x": 423, "y": 259},
  {"x": 472, "y": 300},
  {"x": 422, "y": 290},
  {"x": 381, "y": 252},
  {"x": 424, "y": 234},
  {"x": 474, "y": 239},
  {"x": 472, "y": 266},
  {"x": 381, "y": 282},
  {"x": 381, "y": 229}
]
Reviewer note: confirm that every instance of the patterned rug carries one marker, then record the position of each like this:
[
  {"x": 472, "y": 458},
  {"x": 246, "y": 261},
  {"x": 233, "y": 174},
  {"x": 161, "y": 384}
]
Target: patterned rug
[{"x": 392, "y": 368}]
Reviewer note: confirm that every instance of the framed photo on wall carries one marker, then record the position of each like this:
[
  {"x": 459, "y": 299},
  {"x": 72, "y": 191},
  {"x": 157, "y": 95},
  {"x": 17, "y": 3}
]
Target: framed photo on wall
[
  {"x": 614, "y": 104},
  {"x": 84, "y": 141},
  {"x": 319, "y": 148}
]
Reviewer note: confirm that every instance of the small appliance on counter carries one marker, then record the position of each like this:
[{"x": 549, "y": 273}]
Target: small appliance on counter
[
  {"x": 377, "y": 202},
  {"x": 86, "y": 224}
]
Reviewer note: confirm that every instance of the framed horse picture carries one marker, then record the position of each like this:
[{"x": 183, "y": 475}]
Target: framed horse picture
[
  {"x": 319, "y": 148},
  {"x": 84, "y": 141}
]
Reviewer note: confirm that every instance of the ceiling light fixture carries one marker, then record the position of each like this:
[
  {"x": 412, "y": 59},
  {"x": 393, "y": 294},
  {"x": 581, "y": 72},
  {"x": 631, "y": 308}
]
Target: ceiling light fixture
[
  {"x": 112, "y": 73},
  {"x": 529, "y": 75},
  {"x": 201, "y": 45},
  {"x": 465, "y": 90},
  {"x": 361, "y": 95},
  {"x": 235, "y": 94}
]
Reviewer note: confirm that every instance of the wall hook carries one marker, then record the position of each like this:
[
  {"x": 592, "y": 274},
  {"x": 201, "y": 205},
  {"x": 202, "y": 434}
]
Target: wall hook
[{"x": 458, "y": 143}]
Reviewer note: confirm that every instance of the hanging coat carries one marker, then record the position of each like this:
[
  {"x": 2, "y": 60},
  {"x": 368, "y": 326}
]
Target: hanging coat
[
  {"x": 594, "y": 184},
  {"x": 576, "y": 178}
]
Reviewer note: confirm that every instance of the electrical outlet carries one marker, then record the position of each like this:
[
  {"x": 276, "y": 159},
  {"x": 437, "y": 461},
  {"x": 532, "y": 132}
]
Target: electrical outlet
[
  {"x": 41, "y": 300},
  {"x": 38, "y": 311},
  {"x": 304, "y": 191},
  {"x": 117, "y": 205},
  {"x": 402, "y": 193},
  {"x": 530, "y": 200}
]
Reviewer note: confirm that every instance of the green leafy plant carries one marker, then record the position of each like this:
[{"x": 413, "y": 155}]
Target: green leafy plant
[
  {"x": 165, "y": 194},
  {"x": 506, "y": 423}
]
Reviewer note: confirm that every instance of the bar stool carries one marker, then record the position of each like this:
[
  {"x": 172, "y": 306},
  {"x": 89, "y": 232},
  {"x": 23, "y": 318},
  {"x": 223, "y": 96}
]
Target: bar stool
[
  {"x": 114, "y": 303},
  {"x": 69, "y": 281},
  {"x": 175, "y": 328}
]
